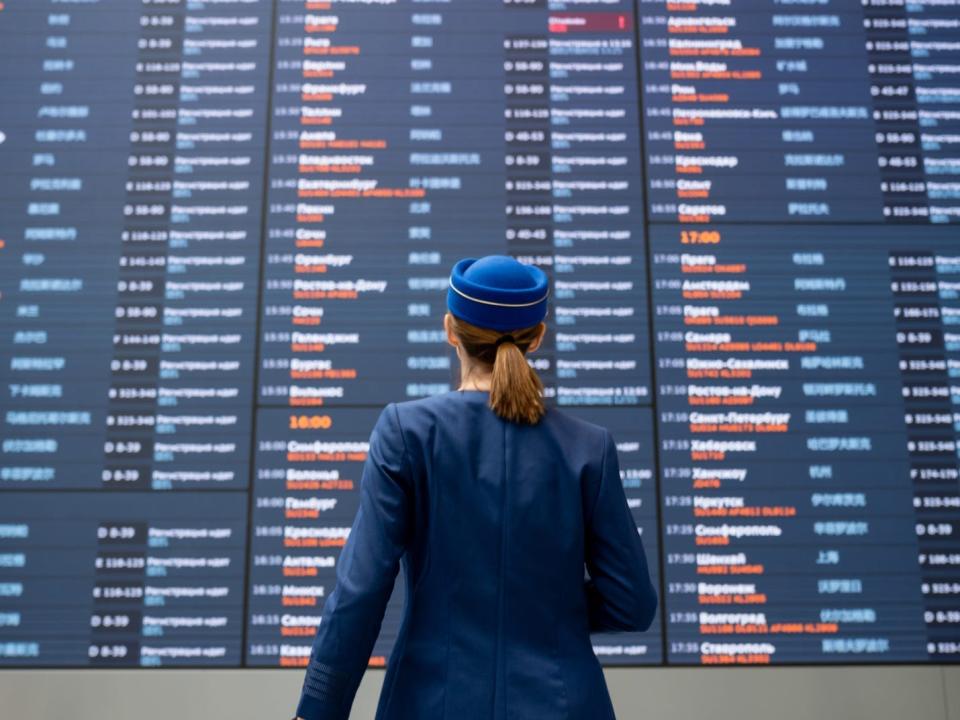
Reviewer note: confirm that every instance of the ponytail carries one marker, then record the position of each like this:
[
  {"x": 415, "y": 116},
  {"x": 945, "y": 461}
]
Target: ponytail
[{"x": 516, "y": 392}]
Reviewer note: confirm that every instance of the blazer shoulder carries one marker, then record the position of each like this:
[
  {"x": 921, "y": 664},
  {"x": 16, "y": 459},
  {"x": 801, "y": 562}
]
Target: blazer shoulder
[
  {"x": 576, "y": 426},
  {"x": 431, "y": 406},
  {"x": 420, "y": 418}
]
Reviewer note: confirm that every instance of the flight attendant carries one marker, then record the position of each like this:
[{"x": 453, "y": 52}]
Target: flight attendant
[{"x": 511, "y": 525}]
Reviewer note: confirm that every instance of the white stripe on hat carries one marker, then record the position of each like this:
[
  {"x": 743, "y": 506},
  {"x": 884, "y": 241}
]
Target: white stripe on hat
[{"x": 489, "y": 302}]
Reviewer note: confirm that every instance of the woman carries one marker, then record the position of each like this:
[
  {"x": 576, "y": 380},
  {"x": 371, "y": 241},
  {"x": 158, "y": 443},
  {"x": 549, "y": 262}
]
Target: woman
[{"x": 495, "y": 506}]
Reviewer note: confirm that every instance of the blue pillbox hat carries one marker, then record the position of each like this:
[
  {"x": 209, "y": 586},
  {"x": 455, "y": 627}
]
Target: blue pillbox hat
[{"x": 498, "y": 292}]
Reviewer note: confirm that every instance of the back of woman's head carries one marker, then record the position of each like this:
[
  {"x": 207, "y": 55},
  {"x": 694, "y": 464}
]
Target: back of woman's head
[
  {"x": 488, "y": 299},
  {"x": 516, "y": 392}
]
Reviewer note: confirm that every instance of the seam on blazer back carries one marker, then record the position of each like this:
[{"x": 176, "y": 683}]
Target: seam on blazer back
[
  {"x": 407, "y": 466},
  {"x": 606, "y": 437}
]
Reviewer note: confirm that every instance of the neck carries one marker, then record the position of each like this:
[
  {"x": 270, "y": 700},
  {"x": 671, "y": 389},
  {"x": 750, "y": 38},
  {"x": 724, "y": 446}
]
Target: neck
[{"x": 475, "y": 376}]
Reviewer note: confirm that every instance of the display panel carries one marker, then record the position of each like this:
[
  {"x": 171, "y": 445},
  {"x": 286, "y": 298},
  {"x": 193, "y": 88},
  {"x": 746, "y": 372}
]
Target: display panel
[{"x": 226, "y": 230}]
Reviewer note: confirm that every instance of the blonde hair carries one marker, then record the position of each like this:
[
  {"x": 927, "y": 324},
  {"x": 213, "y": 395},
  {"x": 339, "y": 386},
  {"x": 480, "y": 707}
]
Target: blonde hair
[{"x": 516, "y": 391}]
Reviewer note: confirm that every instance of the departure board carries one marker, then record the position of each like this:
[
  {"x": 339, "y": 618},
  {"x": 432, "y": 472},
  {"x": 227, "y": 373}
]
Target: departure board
[{"x": 226, "y": 228}]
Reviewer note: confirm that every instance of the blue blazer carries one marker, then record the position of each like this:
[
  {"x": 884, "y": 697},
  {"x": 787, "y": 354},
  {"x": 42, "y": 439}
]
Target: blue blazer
[{"x": 494, "y": 523}]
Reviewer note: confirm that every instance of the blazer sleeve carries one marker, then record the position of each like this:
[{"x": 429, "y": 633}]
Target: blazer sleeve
[
  {"x": 366, "y": 571},
  {"x": 620, "y": 596}
]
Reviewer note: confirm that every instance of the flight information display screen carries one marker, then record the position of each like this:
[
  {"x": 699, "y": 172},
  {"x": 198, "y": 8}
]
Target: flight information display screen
[{"x": 226, "y": 228}]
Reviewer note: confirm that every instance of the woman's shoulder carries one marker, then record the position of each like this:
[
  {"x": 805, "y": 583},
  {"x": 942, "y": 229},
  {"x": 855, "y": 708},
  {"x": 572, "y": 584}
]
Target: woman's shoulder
[
  {"x": 575, "y": 422},
  {"x": 444, "y": 407}
]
